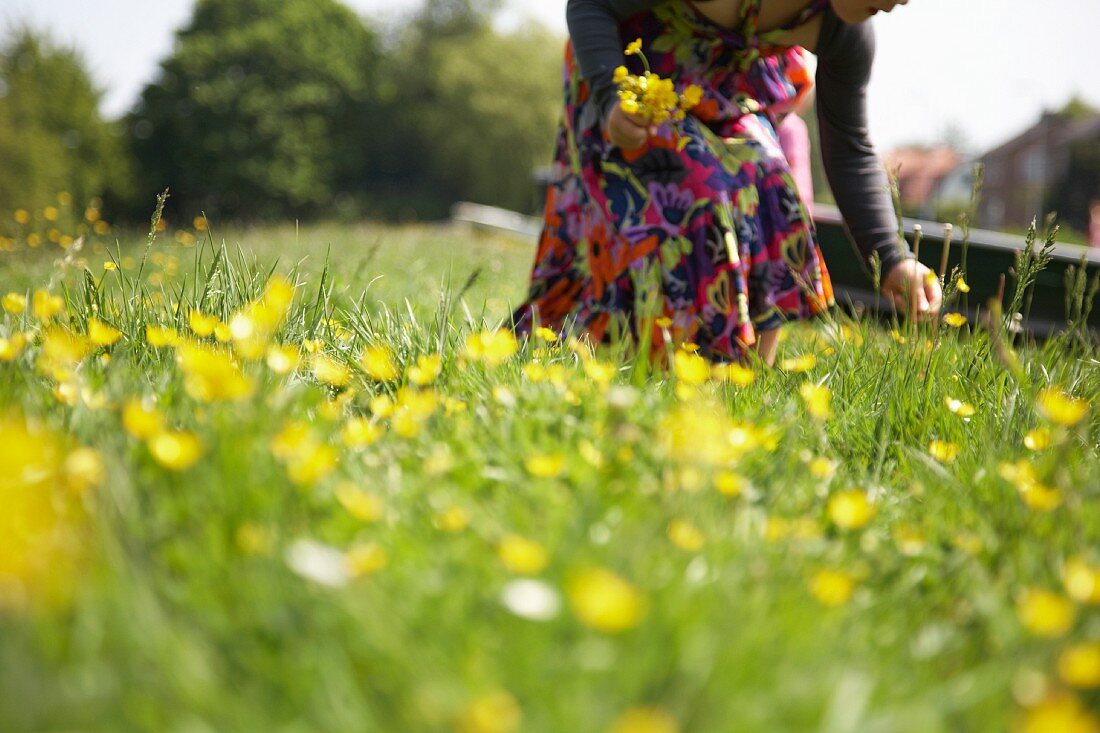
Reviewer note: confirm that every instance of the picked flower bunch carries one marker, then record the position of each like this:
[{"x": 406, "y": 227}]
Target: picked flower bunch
[{"x": 651, "y": 96}]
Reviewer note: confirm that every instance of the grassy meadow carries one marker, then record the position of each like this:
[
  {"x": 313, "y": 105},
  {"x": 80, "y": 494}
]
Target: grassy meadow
[{"x": 295, "y": 480}]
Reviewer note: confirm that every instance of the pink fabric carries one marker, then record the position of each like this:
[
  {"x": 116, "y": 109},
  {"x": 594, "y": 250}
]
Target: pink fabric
[
  {"x": 1094, "y": 224},
  {"x": 794, "y": 138}
]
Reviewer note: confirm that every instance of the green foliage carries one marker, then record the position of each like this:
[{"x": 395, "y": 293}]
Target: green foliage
[
  {"x": 477, "y": 114},
  {"x": 259, "y": 110},
  {"x": 194, "y": 610},
  {"x": 52, "y": 137}
]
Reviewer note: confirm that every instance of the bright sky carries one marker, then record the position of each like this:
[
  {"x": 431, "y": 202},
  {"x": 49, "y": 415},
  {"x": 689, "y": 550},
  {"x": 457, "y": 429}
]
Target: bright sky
[{"x": 988, "y": 66}]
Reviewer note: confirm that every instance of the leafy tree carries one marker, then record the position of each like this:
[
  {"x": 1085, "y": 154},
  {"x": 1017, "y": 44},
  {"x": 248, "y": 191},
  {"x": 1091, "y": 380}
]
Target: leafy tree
[
  {"x": 478, "y": 112},
  {"x": 259, "y": 110},
  {"x": 52, "y": 137}
]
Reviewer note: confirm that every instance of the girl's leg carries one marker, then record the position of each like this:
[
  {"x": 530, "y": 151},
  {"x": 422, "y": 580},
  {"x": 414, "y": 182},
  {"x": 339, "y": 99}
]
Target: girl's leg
[{"x": 767, "y": 345}]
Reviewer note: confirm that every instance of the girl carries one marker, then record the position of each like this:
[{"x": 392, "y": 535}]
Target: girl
[{"x": 695, "y": 229}]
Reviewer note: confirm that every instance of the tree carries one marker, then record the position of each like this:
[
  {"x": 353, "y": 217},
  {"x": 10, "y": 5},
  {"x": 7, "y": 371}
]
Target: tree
[
  {"x": 52, "y": 137},
  {"x": 258, "y": 113},
  {"x": 477, "y": 112}
]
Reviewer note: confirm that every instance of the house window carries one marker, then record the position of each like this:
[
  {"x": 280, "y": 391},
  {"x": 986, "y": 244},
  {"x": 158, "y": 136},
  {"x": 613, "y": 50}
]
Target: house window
[{"x": 1033, "y": 165}]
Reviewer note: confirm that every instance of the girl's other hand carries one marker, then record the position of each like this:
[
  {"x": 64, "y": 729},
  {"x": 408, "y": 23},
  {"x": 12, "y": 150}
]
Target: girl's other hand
[
  {"x": 914, "y": 289},
  {"x": 628, "y": 131}
]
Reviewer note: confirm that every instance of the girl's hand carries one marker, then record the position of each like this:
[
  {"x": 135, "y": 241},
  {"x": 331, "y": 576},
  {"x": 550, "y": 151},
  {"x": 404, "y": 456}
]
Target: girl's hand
[
  {"x": 914, "y": 289},
  {"x": 628, "y": 131}
]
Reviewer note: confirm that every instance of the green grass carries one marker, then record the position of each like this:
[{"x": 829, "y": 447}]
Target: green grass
[{"x": 169, "y": 600}]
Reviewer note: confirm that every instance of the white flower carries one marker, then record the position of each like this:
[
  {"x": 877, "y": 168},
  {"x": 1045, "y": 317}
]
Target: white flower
[
  {"x": 533, "y": 600},
  {"x": 318, "y": 562}
]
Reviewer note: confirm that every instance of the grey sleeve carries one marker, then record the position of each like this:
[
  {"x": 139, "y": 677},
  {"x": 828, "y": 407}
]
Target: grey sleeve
[
  {"x": 594, "y": 30},
  {"x": 856, "y": 175}
]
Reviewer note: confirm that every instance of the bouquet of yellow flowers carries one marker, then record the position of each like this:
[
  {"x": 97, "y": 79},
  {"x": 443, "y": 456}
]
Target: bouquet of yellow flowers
[{"x": 651, "y": 96}]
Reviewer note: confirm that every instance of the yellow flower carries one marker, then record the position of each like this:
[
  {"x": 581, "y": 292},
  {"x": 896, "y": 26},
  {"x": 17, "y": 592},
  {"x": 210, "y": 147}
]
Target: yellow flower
[
  {"x": 1079, "y": 665},
  {"x": 22, "y": 216},
  {"x": 1045, "y": 614},
  {"x": 11, "y": 348},
  {"x": 955, "y": 320},
  {"x": 644, "y": 720},
  {"x": 621, "y": 73},
  {"x": 283, "y": 359},
  {"x": 211, "y": 375},
  {"x": 832, "y": 588},
  {"x": 962, "y": 286},
  {"x": 1060, "y": 713},
  {"x": 140, "y": 420},
  {"x": 850, "y": 509},
  {"x": 734, "y": 374},
  {"x": 109, "y": 266},
  {"x": 521, "y": 555},
  {"x": 365, "y": 559},
  {"x": 822, "y": 468},
  {"x": 1035, "y": 494},
  {"x": 631, "y": 106},
  {"x": 15, "y": 303},
  {"x": 817, "y": 398},
  {"x": 491, "y": 348},
  {"x": 693, "y": 95},
  {"x": 604, "y": 601},
  {"x": 634, "y": 47},
  {"x": 1038, "y": 439},
  {"x": 1082, "y": 581},
  {"x": 910, "y": 540},
  {"x": 600, "y": 372},
  {"x": 379, "y": 363},
  {"x": 158, "y": 336},
  {"x": 61, "y": 352},
  {"x": 494, "y": 712},
  {"x": 359, "y": 432},
  {"x": 426, "y": 370},
  {"x": 542, "y": 465},
  {"x": 686, "y": 535},
  {"x": 358, "y": 503},
  {"x": 46, "y": 305},
  {"x": 176, "y": 451},
  {"x": 202, "y": 325},
  {"x": 312, "y": 463},
  {"x": 691, "y": 368},
  {"x": 730, "y": 483},
  {"x": 546, "y": 334},
  {"x": 84, "y": 470},
  {"x": 1061, "y": 409},
  {"x": 943, "y": 451},
  {"x": 329, "y": 371},
  {"x": 100, "y": 334},
  {"x": 453, "y": 519},
  {"x": 799, "y": 364},
  {"x": 41, "y": 522},
  {"x": 957, "y": 407}
]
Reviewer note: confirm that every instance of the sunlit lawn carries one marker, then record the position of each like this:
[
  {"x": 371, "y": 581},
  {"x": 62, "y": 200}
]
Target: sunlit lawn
[{"x": 296, "y": 483}]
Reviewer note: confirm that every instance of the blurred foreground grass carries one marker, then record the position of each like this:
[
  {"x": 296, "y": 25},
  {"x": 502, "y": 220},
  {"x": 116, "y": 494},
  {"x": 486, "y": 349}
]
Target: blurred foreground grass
[{"x": 297, "y": 483}]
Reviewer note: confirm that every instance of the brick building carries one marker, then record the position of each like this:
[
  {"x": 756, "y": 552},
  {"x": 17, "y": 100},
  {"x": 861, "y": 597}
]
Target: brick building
[{"x": 1020, "y": 173}]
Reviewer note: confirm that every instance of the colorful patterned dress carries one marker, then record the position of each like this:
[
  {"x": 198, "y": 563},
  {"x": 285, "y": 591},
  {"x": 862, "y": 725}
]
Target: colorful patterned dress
[{"x": 702, "y": 228}]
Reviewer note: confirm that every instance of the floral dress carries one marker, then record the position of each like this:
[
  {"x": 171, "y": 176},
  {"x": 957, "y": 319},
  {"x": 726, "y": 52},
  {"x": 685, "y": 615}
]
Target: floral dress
[{"x": 699, "y": 235}]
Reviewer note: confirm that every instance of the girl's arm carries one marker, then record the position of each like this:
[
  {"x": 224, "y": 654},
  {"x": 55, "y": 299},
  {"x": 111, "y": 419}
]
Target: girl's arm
[
  {"x": 594, "y": 30},
  {"x": 856, "y": 175}
]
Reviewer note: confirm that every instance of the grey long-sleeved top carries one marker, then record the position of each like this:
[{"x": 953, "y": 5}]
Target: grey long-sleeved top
[{"x": 845, "y": 54}]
